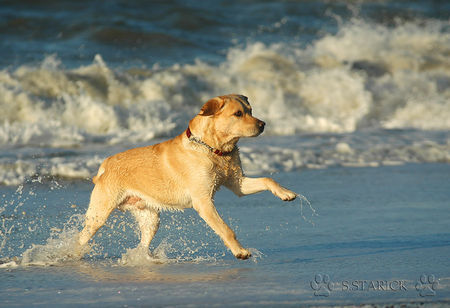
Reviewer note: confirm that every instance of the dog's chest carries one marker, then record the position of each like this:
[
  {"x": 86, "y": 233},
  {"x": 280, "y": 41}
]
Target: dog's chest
[{"x": 224, "y": 171}]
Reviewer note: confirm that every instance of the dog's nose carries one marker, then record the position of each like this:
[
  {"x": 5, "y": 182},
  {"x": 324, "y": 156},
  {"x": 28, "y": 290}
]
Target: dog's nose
[{"x": 261, "y": 125}]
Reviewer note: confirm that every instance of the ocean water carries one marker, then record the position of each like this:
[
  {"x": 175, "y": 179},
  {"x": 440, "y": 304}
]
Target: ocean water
[{"x": 356, "y": 97}]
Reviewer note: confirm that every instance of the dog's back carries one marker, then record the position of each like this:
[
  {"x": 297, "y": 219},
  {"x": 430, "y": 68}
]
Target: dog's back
[{"x": 150, "y": 172}]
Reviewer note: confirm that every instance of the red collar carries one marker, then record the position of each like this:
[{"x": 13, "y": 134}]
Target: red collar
[{"x": 214, "y": 150}]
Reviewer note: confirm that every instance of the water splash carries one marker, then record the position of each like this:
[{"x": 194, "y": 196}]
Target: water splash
[
  {"x": 57, "y": 250},
  {"x": 313, "y": 211},
  {"x": 143, "y": 257},
  {"x": 256, "y": 255},
  {"x": 37, "y": 222}
]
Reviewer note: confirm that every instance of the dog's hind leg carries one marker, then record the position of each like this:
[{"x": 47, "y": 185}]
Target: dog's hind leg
[
  {"x": 100, "y": 207},
  {"x": 148, "y": 220}
]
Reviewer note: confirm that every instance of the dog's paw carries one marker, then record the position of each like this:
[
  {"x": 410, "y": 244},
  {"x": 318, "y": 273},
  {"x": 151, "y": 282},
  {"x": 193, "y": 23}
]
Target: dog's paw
[
  {"x": 244, "y": 254},
  {"x": 285, "y": 194}
]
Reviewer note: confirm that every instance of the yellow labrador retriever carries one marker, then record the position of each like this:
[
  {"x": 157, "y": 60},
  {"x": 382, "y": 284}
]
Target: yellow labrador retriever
[{"x": 183, "y": 172}]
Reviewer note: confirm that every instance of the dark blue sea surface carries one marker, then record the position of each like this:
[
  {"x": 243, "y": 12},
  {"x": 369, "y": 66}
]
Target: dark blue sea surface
[{"x": 141, "y": 33}]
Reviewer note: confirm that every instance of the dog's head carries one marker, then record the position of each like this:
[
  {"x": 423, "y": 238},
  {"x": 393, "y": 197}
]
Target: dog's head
[{"x": 226, "y": 119}]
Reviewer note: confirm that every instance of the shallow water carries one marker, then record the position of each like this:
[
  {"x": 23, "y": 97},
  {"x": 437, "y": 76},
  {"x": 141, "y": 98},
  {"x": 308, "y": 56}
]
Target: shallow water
[{"x": 374, "y": 224}]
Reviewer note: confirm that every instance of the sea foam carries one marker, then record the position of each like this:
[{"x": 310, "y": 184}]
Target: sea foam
[
  {"x": 363, "y": 77},
  {"x": 397, "y": 77}
]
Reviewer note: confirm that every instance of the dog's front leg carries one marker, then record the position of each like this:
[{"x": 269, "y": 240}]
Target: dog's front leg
[
  {"x": 207, "y": 211},
  {"x": 248, "y": 186}
]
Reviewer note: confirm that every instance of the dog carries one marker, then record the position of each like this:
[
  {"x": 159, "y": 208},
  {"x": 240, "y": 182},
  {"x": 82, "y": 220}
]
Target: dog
[{"x": 183, "y": 172}]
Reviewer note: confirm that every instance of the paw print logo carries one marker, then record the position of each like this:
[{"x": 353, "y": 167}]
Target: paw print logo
[
  {"x": 321, "y": 285},
  {"x": 427, "y": 285}
]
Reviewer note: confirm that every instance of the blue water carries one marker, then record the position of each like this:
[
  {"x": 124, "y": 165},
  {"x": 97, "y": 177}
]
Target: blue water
[
  {"x": 356, "y": 97},
  {"x": 374, "y": 224},
  {"x": 167, "y": 32}
]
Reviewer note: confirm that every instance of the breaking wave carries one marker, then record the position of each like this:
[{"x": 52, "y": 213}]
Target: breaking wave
[
  {"x": 365, "y": 75},
  {"x": 366, "y": 80}
]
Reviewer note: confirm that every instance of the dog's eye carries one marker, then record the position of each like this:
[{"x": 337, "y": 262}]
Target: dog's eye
[{"x": 238, "y": 113}]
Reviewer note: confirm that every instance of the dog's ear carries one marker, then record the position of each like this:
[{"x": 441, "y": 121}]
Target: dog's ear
[
  {"x": 243, "y": 97},
  {"x": 212, "y": 106}
]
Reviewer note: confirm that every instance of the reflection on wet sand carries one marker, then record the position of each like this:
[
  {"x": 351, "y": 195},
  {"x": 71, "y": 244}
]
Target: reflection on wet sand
[{"x": 160, "y": 273}]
